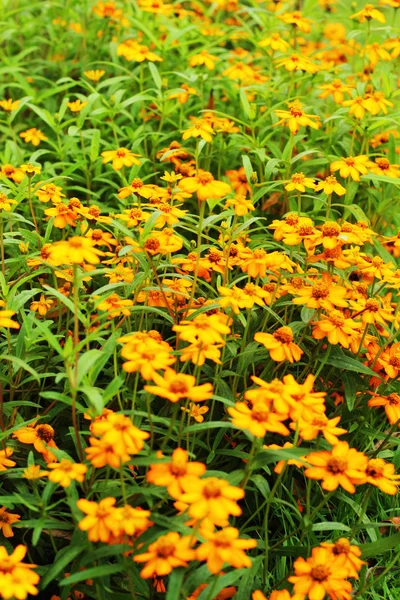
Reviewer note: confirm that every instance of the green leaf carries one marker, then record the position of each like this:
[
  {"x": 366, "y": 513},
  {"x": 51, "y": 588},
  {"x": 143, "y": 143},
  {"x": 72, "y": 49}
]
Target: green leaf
[
  {"x": 100, "y": 571},
  {"x": 95, "y": 145},
  {"x": 155, "y": 75},
  {"x": 248, "y": 168},
  {"x": 351, "y": 364},
  {"x": 62, "y": 560},
  {"x": 380, "y": 546}
]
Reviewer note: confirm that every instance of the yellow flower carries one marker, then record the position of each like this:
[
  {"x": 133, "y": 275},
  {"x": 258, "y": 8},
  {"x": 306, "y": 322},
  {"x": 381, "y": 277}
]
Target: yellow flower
[
  {"x": 6, "y": 321},
  {"x": 42, "y": 438},
  {"x": 295, "y": 118},
  {"x": 212, "y": 498},
  {"x": 336, "y": 327},
  {"x": 342, "y": 466},
  {"x": 367, "y": 13},
  {"x": 115, "y": 306},
  {"x": 204, "y": 58},
  {"x": 352, "y": 166},
  {"x": 183, "y": 94},
  {"x": 50, "y": 192},
  {"x": 31, "y": 169},
  {"x": 34, "y": 472},
  {"x": 94, "y": 75},
  {"x": 382, "y": 475},
  {"x": 172, "y": 474},
  {"x": 275, "y": 42},
  {"x": 9, "y": 104},
  {"x": 297, "y": 20},
  {"x": 337, "y": 89},
  {"x": 41, "y": 306},
  {"x": 33, "y": 135},
  {"x": 195, "y": 411},
  {"x": 382, "y": 166},
  {"x": 75, "y": 251},
  {"x": 321, "y": 574},
  {"x": 296, "y": 62},
  {"x": 391, "y": 404},
  {"x": 280, "y": 344},
  {"x": 76, "y": 106},
  {"x": 100, "y": 521},
  {"x": 5, "y": 461},
  {"x": 309, "y": 428},
  {"x": 224, "y": 547},
  {"x": 203, "y": 328},
  {"x": 177, "y": 386},
  {"x": 17, "y": 580},
  {"x": 6, "y": 522},
  {"x": 118, "y": 430},
  {"x": 166, "y": 553},
  {"x": 132, "y": 50},
  {"x": 300, "y": 182},
  {"x": 241, "y": 205},
  {"x": 330, "y": 185},
  {"x": 199, "y": 128},
  {"x": 342, "y": 547},
  {"x": 66, "y": 471},
  {"x": 257, "y": 419},
  {"x": 5, "y": 203},
  {"x": 122, "y": 157}
]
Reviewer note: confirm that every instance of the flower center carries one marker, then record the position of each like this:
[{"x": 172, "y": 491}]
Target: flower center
[
  {"x": 45, "y": 433},
  {"x": 212, "y": 490},
  {"x": 320, "y": 290},
  {"x": 320, "y": 572},
  {"x": 337, "y": 465},
  {"x": 283, "y": 335}
]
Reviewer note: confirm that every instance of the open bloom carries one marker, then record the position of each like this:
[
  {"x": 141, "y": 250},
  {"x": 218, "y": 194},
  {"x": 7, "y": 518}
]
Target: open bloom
[
  {"x": 176, "y": 386},
  {"x": 66, "y": 471},
  {"x": 172, "y": 474},
  {"x": 165, "y": 554},
  {"x": 212, "y": 498},
  {"x": 367, "y": 13},
  {"x": 382, "y": 475},
  {"x": 342, "y": 466},
  {"x": 295, "y": 118},
  {"x": 205, "y": 186},
  {"x": 118, "y": 430},
  {"x": 280, "y": 344},
  {"x": 352, "y": 166},
  {"x": 122, "y": 157},
  {"x": 225, "y": 547},
  {"x": 330, "y": 185},
  {"x": 17, "y": 579},
  {"x": 257, "y": 419},
  {"x": 391, "y": 404},
  {"x": 42, "y": 438},
  {"x": 7, "y": 520},
  {"x": 100, "y": 521},
  {"x": 321, "y": 574},
  {"x": 300, "y": 182},
  {"x": 5, "y": 461},
  {"x": 33, "y": 135},
  {"x": 342, "y": 547}
]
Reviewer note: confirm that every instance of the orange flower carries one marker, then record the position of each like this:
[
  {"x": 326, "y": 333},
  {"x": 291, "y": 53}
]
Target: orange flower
[
  {"x": 311, "y": 427},
  {"x": 280, "y": 344},
  {"x": 257, "y": 419},
  {"x": 101, "y": 453},
  {"x": 165, "y": 554},
  {"x": 122, "y": 157},
  {"x": 391, "y": 404},
  {"x": 176, "y": 386},
  {"x": 295, "y": 118},
  {"x": 42, "y": 438},
  {"x": 382, "y": 475},
  {"x": 6, "y": 522},
  {"x": 172, "y": 474},
  {"x": 321, "y": 293},
  {"x": 100, "y": 522},
  {"x": 208, "y": 329},
  {"x": 352, "y": 166},
  {"x": 76, "y": 106},
  {"x": 224, "y": 547},
  {"x": 342, "y": 547},
  {"x": 239, "y": 181},
  {"x": 342, "y": 466},
  {"x": 66, "y": 471},
  {"x": 322, "y": 574},
  {"x": 212, "y": 498},
  {"x": 205, "y": 186},
  {"x": 336, "y": 328},
  {"x": 119, "y": 431},
  {"x": 17, "y": 579}
]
